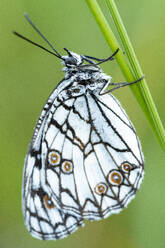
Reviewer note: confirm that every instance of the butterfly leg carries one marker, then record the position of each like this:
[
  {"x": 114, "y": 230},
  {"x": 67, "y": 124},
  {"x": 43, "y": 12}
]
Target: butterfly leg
[
  {"x": 88, "y": 58},
  {"x": 119, "y": 85}
]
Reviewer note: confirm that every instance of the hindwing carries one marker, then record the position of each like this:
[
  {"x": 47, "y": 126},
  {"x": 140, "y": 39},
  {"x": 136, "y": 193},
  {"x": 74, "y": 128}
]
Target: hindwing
[{"x": 91, "y": 156}]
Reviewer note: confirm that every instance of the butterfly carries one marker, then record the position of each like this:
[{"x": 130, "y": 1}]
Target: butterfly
[{"x": 85, "y": 160}]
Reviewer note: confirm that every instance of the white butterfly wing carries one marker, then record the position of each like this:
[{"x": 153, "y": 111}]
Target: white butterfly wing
[{"x": 92, "y": 156}]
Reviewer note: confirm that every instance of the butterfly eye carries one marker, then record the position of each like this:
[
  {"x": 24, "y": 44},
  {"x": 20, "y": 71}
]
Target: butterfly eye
[
  {"x": 126, "y": 167},
  {"x": 48, "y": 202},
  {"x": 70, "y": 61},
  {"x": 54, "y": 158},
  {"x": 115, "y": 178},
  {"x": 67, "y": 167},
  {"x": 101, "y": 188}
]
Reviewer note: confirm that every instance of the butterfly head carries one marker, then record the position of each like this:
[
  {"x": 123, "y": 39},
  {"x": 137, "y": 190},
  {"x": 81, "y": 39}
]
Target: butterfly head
[
  {"x": 72, "y": 59},
  {"x": 74, "y": 63}
]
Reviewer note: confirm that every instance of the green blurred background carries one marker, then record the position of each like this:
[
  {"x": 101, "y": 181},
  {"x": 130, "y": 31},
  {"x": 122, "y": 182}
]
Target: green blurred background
[{"x": 28, "y": 75}]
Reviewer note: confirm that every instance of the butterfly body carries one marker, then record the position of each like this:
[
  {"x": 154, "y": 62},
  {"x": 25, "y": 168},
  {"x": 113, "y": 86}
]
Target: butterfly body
[{"x": 84, "y": 160}]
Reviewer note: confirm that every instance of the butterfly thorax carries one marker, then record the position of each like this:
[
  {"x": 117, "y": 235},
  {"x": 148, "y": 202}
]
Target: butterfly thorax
[{"x": 83, "y": 77}]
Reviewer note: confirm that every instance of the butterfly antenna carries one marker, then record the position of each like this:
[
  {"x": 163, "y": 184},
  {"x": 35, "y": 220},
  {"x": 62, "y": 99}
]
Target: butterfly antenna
[
  {"x": 37, "y": 30},
  {"x": 36, "y": 44}
]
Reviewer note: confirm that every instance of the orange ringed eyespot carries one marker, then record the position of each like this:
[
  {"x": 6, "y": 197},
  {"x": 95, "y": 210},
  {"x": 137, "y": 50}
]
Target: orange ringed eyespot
[
  {"x": 67, "y": 167},
  {"x": 115, "y": 178},
  {"x": 54, "y": 158},
  {"x": 48, "y": 202},
  {"x": 126, "y": 167},
  {"x": 101, "y": 188}
]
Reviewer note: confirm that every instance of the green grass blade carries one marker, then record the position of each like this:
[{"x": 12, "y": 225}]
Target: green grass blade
[{"x": 140, "y": 90}]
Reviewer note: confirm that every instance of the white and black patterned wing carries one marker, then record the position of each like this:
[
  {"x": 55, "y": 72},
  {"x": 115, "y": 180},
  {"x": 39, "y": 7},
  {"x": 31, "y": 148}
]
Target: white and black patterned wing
[
  {"x": 43, "y": 218},
  {"x": 92, "y": 156}
]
